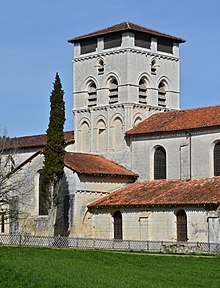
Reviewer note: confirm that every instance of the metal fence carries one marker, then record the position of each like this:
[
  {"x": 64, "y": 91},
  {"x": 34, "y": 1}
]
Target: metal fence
[{"x": 109, "y": 244}]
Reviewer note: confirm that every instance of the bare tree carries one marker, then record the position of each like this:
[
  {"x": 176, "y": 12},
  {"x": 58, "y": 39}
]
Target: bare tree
[{"x": 13, "y": 185}]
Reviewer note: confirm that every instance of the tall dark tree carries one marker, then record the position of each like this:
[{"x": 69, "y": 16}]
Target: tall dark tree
[{"x": 54, "y": 153}]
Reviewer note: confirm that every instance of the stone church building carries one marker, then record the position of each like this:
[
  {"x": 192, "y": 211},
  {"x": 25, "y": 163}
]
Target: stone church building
[{"x": 136, "y": 166}]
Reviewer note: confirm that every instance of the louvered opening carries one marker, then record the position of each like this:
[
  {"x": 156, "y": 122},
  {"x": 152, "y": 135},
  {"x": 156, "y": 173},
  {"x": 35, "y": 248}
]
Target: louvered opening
[
  {"x": 112, "y": 40},
  {"x": 160, "y": 163},
  {"x": 117, "y": 225},
  {"x": 181, "y": 226},
  {"x": 142, "y": 40},
  {"x": 162, "y": 94},
  {"x": 113, "y": 91},
  {"x": 217, "y": 159},
  {"x": 142, "y": 92},
  {"x": 92, "y": 95},
  {"x": 165, "y": 45},
  {"x": 88, "y": 46}
]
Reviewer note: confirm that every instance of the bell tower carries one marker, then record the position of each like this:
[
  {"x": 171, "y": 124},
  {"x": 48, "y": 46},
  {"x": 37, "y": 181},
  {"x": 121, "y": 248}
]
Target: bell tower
[{"x": 122, "y": 75}]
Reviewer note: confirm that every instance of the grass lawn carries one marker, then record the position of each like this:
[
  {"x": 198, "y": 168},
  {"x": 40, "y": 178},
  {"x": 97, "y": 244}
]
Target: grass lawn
[{"x": 41, "y": 267}]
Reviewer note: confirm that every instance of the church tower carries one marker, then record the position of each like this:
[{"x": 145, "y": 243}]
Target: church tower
[{"x": 122, "y": 75}]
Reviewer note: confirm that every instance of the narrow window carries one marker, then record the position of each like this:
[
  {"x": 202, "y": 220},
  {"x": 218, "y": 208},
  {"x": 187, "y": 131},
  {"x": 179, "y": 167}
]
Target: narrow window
[
  {"x": 217, "y": 159},
  {"x": 142, "y": 91},
  {"x": 162, "y": 94},
  {"x": 117, "y": 225},
  {"x": 160, "y": 163},
  {"x": 113, "y": 91},
  {"x": 92, "y": 95},
  {"x": 100, "y": 67},
  {"x": 42, "y": 206},
  {"x": 2, "y": 222},
  {"x": 181, "y": 226},
  {"x": 153, "y": 67},
  {"x": 85, "y": 137}
]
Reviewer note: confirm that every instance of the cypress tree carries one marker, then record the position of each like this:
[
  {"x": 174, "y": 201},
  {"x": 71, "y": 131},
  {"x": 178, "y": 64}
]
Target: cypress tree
[{"x": 53, "y": 168}]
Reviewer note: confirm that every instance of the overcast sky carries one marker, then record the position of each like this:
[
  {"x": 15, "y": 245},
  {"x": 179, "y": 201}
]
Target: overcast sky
[{"x": 33, "y": 47}]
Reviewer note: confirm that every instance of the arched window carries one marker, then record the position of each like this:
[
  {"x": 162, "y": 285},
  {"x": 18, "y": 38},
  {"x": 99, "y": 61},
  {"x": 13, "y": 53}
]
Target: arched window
[
  {"x": 181, "y": 220},
  {"x": 162, "y": 94},
  {"x": 101, "y": 136},
  {"x": 160, "y": 163},
  {"x": 85, "y": 137},
  {"x": 117, "y": 225},
  {"x": 118, "y": 134},
  {"x": 92, "y": 94},
  {"x": 142, "y": 91},
  {"x": 42, "y": 206},
  {"x": 113, "y": 91},
  {"x": 217, "y": 159}
]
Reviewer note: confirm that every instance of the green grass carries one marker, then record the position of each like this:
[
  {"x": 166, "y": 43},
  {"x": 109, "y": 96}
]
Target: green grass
[{"x": 39, "y": 267}]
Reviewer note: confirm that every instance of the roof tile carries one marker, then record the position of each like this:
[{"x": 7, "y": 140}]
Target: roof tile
[
  {"x": 125, "y": 26},
  {"x": 179, "y": 120},
  {"x": 32, "y": 141},
  {"x": 92, "y": 164},
  {"x": 164, "y": 193}
]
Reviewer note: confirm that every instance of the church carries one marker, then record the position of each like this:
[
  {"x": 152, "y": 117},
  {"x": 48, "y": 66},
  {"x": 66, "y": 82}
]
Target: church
[{"x": 136, "y": 166}]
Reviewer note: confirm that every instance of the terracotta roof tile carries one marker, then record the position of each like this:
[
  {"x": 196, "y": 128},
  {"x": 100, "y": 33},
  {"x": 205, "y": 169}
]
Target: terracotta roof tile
[
  {"x": 94, "y": 164},
  {"x": 32, "y": 141},
  {"x": 125, "y": 26},
  {"x": 164, "y": 193},
  {"x": 179, "y": 120}
]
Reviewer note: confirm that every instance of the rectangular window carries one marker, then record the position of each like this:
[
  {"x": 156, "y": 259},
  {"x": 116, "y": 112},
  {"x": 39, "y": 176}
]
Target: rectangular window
[
  {"x": 112, "y": 40},
  {"x": 142, "y": 40},
  {"x": 88, "y": 46},
  {"x": 165, "y": 45}
]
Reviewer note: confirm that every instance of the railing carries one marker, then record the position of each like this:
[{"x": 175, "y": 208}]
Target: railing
[{"x": 110, "y": 244}]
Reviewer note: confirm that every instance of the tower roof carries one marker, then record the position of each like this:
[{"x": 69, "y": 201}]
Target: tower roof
[{"x": 125, "y": 26}]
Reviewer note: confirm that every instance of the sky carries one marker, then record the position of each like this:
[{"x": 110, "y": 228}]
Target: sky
[{"x": 33, "y": 47}]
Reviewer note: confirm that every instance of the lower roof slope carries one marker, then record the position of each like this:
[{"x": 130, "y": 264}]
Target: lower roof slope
[
  {"x": 31, "y": 141},
  {"x": 195, "y": 118},
  {"x": 164, "y": 193},
  {"x": 88, "y": 164},
  {"x": 85, "y": 163}
]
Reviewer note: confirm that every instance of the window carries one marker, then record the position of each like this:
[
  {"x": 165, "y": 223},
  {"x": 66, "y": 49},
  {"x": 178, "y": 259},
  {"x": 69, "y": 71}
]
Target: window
[
  {"x": 117, "y": 225},
  {"x": 181, "y": 219},
  {"x": 153, "y": 67},
  {"x": 118, "y": 134},
  {"x": 85, "y": 137},
  {"x": 42, "y": 206},
  {"x": 217, "y": 159},
  {"x": 142, "y": 91},
  {"x": 92, "y": 94},
  {"x": 2, "y": 222},
  {"x": 101, "y": 136},
  {"x": 113, "y": 91},
  {"x": 100, "y": 66},
  {"x": 112, "y": 40},
  {"x": 165, "y": 45},
  {"x": 88, "y": 46},
  {"x": 160, "y": 163},
  {"x": 162, "y": 94},
  {"x": 142, "y": 40}
]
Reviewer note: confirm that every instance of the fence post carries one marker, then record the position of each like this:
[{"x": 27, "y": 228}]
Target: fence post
[{"x": 20, "y": 239}]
